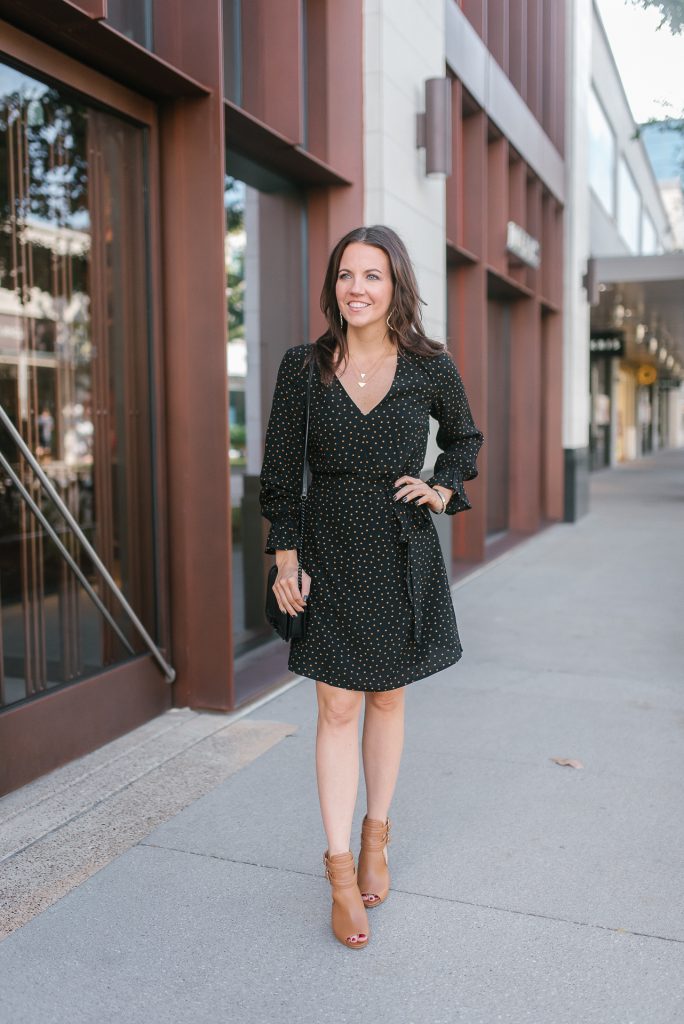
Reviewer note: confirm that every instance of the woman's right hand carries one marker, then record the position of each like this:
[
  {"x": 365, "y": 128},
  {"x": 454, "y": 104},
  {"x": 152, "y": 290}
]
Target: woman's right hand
[{"x": 286, "y": 588}]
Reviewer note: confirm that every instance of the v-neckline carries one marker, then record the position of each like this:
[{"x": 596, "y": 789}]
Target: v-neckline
[{"x": 365, "y": 415}]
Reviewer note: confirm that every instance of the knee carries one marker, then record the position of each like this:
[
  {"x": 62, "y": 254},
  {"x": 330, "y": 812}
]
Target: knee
[
  {"x": 339, "y": 709},
  {"x": 389, "y": 700}
]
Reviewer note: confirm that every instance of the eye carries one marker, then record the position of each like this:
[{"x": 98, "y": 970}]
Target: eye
[
  {"x": 374, "y": 276},
  {"x": 343, "y": 273}
]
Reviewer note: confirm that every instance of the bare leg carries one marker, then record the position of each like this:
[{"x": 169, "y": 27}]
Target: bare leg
[
  {"x": 337, "y": 762},
  {"x": 382, "y": 745}
]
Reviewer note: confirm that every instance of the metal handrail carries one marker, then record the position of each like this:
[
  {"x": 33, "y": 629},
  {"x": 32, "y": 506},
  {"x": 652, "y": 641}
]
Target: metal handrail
[
  {"x": 168, "y": 671},
  {"x": 37, "y": 511}
]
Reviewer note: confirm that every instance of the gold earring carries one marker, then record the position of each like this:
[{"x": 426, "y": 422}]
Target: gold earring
[
  {"x": 387, "y": 321},
  {"x": 341, "y": 320}
]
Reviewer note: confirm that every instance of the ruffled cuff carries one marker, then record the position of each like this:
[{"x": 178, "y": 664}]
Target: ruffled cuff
[
  {"x": 283, "y": 536},
  {"x": 452, "y": 478}
]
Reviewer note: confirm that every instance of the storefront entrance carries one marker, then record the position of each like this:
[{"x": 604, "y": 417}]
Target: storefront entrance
[{"x": 76, "y": 381}]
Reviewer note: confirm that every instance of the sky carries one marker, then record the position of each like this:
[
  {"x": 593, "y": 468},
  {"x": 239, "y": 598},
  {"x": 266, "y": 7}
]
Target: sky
[{"x": 650, "y": 60}]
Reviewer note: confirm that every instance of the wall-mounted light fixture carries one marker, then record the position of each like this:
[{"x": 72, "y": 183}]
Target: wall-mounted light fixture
[{"x": 433, "y": 128}]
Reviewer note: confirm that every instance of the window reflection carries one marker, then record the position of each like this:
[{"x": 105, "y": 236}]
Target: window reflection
[
  {"x": 266, "y": 305},
  {"x": 74, "y": 379},
  {"x": 601, "y": 154}
]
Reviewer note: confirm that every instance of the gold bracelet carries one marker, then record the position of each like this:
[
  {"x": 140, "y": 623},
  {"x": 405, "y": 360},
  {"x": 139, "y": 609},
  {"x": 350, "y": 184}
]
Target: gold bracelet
[{"x": 444, "y": 501}]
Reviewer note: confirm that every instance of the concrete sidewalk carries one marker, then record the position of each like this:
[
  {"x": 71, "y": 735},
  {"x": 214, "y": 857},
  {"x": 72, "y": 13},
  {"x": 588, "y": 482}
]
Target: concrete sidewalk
[{"x": 523, "y": 891}]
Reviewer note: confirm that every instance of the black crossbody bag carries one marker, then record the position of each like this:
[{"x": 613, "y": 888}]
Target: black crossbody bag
[{"x": 292, "y": 627}]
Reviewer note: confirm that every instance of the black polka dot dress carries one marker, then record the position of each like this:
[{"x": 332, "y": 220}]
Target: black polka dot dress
[{"x": 380, "y": 610}]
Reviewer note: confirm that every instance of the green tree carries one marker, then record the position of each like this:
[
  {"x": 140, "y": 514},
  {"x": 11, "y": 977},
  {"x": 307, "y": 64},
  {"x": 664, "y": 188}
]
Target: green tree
[{"x": 671, "y": 11}]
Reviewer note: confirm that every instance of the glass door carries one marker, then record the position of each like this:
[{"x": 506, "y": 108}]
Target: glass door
[
  {"x": 267, "y": 302},
  {"x": 74, "y": 379}
]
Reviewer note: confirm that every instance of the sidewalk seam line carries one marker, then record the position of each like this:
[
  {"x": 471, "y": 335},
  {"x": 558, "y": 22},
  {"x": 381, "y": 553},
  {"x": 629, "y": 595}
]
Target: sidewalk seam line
[{"x": 423, "y": 895}]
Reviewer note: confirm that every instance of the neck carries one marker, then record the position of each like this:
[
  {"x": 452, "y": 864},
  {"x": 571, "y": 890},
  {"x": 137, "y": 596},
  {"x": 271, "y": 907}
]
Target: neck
[{"x": 370, "y": 340}]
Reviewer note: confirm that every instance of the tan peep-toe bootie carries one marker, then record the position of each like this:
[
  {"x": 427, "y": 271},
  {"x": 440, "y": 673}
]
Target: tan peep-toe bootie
[
  {"x": 349, "y": 917},
  {"x": 374, "y": 876}
]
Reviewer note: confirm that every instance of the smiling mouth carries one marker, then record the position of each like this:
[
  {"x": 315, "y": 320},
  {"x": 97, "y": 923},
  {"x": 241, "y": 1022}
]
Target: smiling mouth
[{"x": 356, "y": 307}]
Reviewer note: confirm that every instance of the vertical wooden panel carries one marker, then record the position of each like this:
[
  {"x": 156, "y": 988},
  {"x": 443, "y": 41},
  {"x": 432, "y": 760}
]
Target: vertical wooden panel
[
  {"x": 525, "y": 439},
  {"x": 467, "y": 303},
  {"x": 498, "y": 31},
  {"x": 317, "y": 91},
  {"x": 333, "y": 212},
  {"x": 192, "y": 211},
  {"x": 454, "y": 184},
  {"x": 553, "y": 63},
  {"x": 474, "y": 171},
  {"x": 517, "y": 210},
  {"x": 345, "y": 91},
  {"x": 517, "y": 45},
  {"x": 552, "y": 250},
  {"x": 272, "y": 64},
  {"x": 533, "y": 56},
  {"x": 533, "y": 224},
  {"x": 497, "y": 204}
]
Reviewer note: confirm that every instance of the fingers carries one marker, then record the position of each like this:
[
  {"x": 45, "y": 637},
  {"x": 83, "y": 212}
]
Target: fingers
[
  {"x": 287, "y": 592},
  {"x": 412, "y": 490}
]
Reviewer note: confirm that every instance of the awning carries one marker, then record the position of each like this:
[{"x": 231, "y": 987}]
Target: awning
[{"x": 644, "y": 297}]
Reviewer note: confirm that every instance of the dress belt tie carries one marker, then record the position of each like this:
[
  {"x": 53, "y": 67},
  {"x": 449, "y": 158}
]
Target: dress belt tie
[{"x": 413, "y": 520}]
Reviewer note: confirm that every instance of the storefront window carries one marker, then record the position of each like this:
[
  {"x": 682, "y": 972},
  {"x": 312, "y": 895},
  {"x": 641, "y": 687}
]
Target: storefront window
[
  {"x": 629, "y": 207},
  {"x": 74, "y": 380},
  {"x": 265, "y": 287},
  {"x": 133, "y": 18},
  {"x": 601, "y": 154}
]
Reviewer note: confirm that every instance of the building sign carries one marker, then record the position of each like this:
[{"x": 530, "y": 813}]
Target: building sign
[
  {"x": 523, "y": 246},
  {"x": 607, "y": 343}
]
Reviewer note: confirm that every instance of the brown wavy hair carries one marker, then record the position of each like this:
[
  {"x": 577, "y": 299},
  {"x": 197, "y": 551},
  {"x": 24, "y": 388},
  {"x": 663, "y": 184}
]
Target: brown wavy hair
[{"x": 405, "y": 317}]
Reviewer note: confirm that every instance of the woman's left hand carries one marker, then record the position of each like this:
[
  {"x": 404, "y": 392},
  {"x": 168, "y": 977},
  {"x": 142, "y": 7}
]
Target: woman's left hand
[{"x": 411, "y": 488}]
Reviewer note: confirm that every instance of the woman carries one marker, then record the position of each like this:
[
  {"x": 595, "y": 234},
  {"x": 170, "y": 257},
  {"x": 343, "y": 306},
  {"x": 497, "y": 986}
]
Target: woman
[{"x": 380, "y": 611}]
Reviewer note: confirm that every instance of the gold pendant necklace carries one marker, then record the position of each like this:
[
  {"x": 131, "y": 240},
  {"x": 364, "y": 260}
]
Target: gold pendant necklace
[{"x": 368, "y": 373}]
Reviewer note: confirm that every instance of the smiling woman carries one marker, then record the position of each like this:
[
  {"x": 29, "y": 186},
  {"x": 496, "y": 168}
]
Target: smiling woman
[{"x": 380, "y": 611}]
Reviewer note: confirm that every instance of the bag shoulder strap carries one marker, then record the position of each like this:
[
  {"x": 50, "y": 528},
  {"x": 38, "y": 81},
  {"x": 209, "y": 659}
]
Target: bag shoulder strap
[
  {"x": 305, "y": 485},
  {"x": 305, "y": 482}
]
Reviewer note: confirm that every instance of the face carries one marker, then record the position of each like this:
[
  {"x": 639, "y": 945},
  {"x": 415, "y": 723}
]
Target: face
[{"x": 364, "y": 286}]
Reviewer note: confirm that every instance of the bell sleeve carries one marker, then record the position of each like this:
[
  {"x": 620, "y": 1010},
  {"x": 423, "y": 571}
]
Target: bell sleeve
[
  {"x": 457, "y": 435},
  {"x": 281, "y": 472}
]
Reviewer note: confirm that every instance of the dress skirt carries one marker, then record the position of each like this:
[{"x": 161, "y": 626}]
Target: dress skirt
[{"x": 380, "y": 609}]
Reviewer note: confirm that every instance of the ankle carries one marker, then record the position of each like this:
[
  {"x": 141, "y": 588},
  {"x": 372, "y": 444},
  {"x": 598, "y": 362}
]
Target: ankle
[{"x": 334, "y": 850}]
